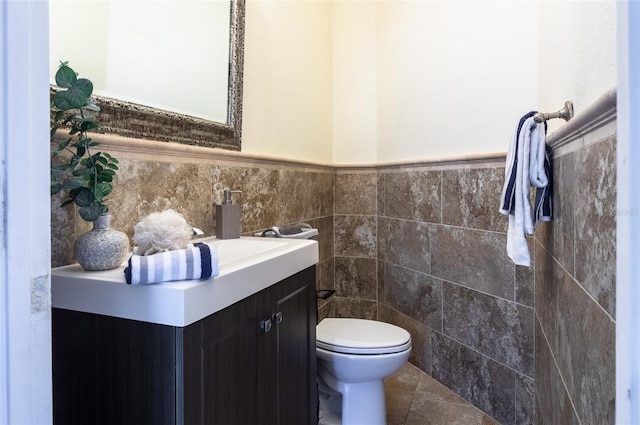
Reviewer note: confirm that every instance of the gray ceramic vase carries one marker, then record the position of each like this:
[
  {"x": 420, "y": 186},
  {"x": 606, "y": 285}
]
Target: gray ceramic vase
[{"x": 101, "y": 248}]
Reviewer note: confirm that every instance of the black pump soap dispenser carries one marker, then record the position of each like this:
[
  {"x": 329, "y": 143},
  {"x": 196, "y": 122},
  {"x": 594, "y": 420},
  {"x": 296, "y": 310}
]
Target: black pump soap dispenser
[{"x": 228, "y": 217}]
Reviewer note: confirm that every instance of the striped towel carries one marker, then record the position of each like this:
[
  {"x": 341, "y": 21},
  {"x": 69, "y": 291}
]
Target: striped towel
[
  {"x": 544, "y": 195},
  {"x": 527, "y": 165},
  {"x": 197, "y": 261}
]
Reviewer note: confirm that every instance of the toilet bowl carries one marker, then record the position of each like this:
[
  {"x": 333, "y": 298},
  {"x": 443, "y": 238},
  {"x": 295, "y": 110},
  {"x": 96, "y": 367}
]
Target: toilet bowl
[{"x": 354, "y": 356}]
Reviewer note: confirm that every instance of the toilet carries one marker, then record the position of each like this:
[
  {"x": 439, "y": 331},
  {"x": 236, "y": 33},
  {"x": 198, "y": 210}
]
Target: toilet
[{"x": 354, "y": 356}]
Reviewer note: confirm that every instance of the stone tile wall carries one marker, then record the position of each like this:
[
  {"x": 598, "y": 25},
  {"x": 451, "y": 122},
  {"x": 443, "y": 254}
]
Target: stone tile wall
[
  {"x": 356, "y": 265},
  {"x": 575, "y": 264},
  {"x": 442, "y": 274},
  {"x": 271, "y": 195},
  {"x": 525, "y": 344},
  {"x": 423, "y": 246}
]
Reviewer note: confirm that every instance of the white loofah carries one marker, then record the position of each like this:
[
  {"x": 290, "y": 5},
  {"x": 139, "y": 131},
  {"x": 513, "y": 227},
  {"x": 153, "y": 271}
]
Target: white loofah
[{"x": 161, "y": 231}]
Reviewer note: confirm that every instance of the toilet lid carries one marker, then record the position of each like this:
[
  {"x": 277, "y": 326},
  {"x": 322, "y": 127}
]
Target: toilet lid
[{"x": 361, "y": 336}]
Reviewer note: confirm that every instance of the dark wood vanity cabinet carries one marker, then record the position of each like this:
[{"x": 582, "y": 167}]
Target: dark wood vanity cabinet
[{"x": 251, "y": 363}]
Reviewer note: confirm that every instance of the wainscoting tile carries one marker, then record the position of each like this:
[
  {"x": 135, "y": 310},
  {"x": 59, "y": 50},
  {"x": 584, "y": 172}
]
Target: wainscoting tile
[
  {"x": 355, "y": 236},
  {"x": 420, "y": 342},
  {"x": 380, "y": 194},
  {"x": 274, "y": 197},
  {"x": 325, "y": 236},
  {"x": 324, "y": 278},
  {"x": 581, "y": 337},
  {"x": 355, "y": 277},
  {"x": 324, "y": 193},
  {"x": 186, "y": 188},
  {"x": 63, "y": 233},
  {"x": 352, "y": 307},
  {"x": 473, "y": 258},
  {"x": 302, "y": 195},
  {"x": 552, "y": 404},
  {"x": 270, "y": 197},
  {"x": 525, "y": 283},
  {"x": 356, "y": 194},
  {"x": 415, "y": 294},
  {"x": 326, "y": 310},
  {"x": 413, "y": 195},
  {"x": 405, "y": 243},
  {"x": 557, "y": 236},
  {"x": 244, "y": 179},
  {"x": 500, "y": 329},
  {"x": 525, "y": 400},
  {"x": 381, "y": 281},
  {"x": 546, "y": 289},
  {"x": 471, "y": 198},
  {"x": 595, "y": 222},
  {"x": 487, "y": 384}
]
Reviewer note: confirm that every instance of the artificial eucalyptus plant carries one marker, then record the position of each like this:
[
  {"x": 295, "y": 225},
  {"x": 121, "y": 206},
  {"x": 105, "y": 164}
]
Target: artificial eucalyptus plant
[{"x": 86, "y": 177}]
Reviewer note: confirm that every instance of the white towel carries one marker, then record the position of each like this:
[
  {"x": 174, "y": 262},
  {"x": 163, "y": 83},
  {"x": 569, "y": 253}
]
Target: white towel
[
  {"x": 197, "y": 261},
  {"x": 526, "y": 166}
]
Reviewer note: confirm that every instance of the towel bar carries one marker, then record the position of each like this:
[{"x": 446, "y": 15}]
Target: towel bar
[{"x": 566, "y": 113}]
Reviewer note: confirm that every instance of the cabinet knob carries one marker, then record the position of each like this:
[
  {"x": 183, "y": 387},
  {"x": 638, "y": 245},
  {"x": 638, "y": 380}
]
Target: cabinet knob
[
  {"x": 277, "y": 317},
  {"x": 265, "y": 325}
]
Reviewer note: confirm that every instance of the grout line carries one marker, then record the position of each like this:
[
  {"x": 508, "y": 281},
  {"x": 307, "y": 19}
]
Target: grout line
[
  {"x": 433, "y": 223},
  {"x": 574, "y": 204},
  {"x": 555, "y": 362},
  {"x": 515, "y": 397},
  {"x": 441, "y": 307},
  {"x": 377, "y": 256},
  {"x": 482, "y": 354},
  {"x": 413, "y": 397},
  {"x": 572, "y": 277},
  {"x": 455, "y": 283},
  {"x": 441, "y": 197}
]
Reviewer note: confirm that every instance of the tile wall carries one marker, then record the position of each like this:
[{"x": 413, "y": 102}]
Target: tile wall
[
  {"x": 443, "y": 274},
  {"x": 527, "y": 345},
  {"x": 575, "y": 269},
  {"x": 423, "y": 246},
  {"x": 271, "y": 195}
]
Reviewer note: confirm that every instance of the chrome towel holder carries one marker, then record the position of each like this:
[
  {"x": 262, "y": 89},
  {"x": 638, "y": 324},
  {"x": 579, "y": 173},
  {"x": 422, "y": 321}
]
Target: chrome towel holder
[{"x": 565, "y": 113}]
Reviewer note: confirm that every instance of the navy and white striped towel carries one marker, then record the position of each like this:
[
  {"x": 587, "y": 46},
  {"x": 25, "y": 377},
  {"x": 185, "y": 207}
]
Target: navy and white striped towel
[
  {"x": 527, "y": 165},
  {"x": 197, "y": 261}
]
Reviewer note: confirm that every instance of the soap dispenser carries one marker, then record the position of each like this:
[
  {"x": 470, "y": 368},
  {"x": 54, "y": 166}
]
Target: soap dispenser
[{"x": 228, "y": 217}]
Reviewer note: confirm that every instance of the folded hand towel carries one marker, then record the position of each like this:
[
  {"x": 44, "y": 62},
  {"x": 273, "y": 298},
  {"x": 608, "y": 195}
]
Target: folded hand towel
[
  {"x": 197, "y": 261},
  {"x": 527, "y": 165}
]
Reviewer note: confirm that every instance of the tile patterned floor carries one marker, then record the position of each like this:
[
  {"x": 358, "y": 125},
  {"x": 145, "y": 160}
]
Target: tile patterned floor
[{"x": 414, "y": 398}]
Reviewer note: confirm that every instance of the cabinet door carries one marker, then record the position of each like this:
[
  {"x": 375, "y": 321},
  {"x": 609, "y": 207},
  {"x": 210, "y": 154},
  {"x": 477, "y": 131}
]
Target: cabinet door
[
  {"x": 254, "y": 362},
  {"x": 295, "y": 346},
  {"x": 220, "y": 367}
]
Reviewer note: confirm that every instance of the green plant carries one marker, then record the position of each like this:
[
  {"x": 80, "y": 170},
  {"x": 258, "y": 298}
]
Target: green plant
[{"x": 87, "y": 176}]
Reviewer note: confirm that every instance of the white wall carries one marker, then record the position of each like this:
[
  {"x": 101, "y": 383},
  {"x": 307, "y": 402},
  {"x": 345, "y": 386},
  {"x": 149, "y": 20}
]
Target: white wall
[
  {"x": 453, "y": 76},
  {"x": 355, "y": 87},
  {"x": 365, "y": 82},
  {"x": 577, "y": 57},
  {"x": 416, "y": 79},
  {"x": 287, "y": 108}
]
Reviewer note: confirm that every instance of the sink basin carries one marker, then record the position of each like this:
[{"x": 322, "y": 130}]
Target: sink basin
[
  {"x": 243, "y": 249},
  {"x": 247, "y": 266}
]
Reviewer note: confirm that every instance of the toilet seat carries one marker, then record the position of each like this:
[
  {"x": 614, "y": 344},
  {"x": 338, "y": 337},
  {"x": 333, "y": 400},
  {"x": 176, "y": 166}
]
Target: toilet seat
[{"x": 361, "y": 336}]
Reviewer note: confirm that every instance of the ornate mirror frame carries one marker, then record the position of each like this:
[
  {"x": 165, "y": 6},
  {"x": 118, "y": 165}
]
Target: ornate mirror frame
[{"x": 143, "y": 122}]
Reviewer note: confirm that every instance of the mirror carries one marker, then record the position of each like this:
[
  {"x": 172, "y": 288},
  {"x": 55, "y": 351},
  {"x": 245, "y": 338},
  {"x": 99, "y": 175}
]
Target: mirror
[{"x": 162, "y": 70}]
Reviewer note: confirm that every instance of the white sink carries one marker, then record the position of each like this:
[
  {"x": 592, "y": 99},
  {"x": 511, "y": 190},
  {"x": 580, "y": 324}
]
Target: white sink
[
  {"x": 243, "y": 249},
  {"x": 247, "y": 265}
]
